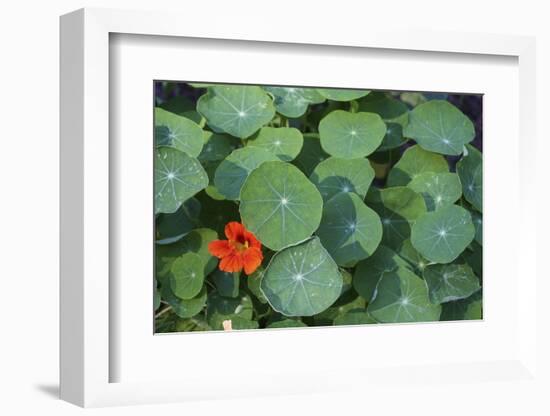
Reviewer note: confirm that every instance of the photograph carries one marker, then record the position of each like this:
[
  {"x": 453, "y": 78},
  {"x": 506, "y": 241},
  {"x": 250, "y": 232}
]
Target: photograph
[{"x": 295, "y": 207}]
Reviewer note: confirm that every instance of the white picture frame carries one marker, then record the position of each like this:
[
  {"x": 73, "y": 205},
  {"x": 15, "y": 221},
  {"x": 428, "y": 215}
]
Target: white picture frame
[{"x": 88, "y": 218}]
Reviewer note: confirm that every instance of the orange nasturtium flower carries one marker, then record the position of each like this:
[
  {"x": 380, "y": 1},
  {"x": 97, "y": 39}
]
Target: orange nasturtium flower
[{"x": 241, "y": 249}]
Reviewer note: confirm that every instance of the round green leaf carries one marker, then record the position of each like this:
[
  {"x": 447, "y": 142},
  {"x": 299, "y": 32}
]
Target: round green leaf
[
  {"x": 220, "y": 308},
  {"x": 280, "y": 205},
  {"x": 177, "y": 131},
  {"x": 349, "y": 230},
  {"x": 237, "y": 110},
  {"x": 351, "y": 135},
  {"x": 283, "y": 142},
  {"x": 449, "y": 282},
  {"x": 172, "y": 227},
  {"x": 335, "y": 175},
  {"x": 235, "y": 168},
  {"x": 311, "y": 154},
  {"x": 438, "y": 189},
  {"x": 354, "y": 317},
  {"x": 398, "y": 208},
  {"x": 195, "y": 242},
  {"x": 185, "y": 308},
  {"x": 177, "y": 178},
  {"x": 469, "y": 168},
  {"x": 217, "y": 146},
  {"x": 227, "y": 284},
  {"x": 442, "y": 235},
  {"x": 293, "y": 102},
  {"x": 390, "y": 109},
  {"x": 302, "y": 280},
  {"x": 439, "y": 126},
  {"x": 402, "y": 296},
  {"x": 341, "y": 94},
  {"x": 415, "y": 161},
  {"x": 369, "y": 271},
  {"x": 186, "y": 276}
]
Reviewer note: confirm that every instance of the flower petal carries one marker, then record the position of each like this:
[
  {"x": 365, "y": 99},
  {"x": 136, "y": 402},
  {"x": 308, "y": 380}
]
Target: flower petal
[
  {"x": 235, "y": 231},
  {"x": 252, "y": 240},
  {"x": 252, "y": 258},
  {"x": 220, "y": 248},
  {"x": 231, "y": 263}
]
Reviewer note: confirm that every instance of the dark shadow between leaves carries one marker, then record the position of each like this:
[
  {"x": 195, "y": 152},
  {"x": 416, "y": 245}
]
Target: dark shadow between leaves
[{"x": 396, "y": 228}]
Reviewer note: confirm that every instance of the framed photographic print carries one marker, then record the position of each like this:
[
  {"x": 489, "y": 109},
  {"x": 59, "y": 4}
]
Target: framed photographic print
[
  {"x": 285, "y": 206},
  {"x": 294, "y": 209}
]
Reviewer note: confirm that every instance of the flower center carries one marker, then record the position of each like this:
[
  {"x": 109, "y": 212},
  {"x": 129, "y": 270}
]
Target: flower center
[{"x": 240, "y": 247}]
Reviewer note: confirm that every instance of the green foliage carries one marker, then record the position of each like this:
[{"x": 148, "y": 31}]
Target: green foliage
[
  {"x": 302, "y": 280},
  {"x": 235, "y": 168},
  {"x": 341, "y": 95},
  {"x": 398, "y": 208},
  {"x": 470, "y": 170},
  {"x": 402, "y": 296},
  {"x": 220, "y": 308},
  {"x": 447, "y": 282},
  {"x": 178, "y": 132},
  {"x": 369, "y": 272},
  {"x": 186, "y": 276},
  {"x": 236, "y": 110},
  {"x": 463, "y": 309},
  {"x": 293, "y": 102},
  {"x": 351, "y": 135},
  {"x": 335, "y": 175},
  {"x": 176, "y": 225},
  {"x": 311, "y": 155},
  {"x": 217, "y": 146},
  {"x": 349, "y": 229},
  {"x": 287, "y": 323},
  {"x": 441, "y": 236},
  {"x": 415, "y": 161},
  {"x": 354, "y": 317},
  {"x": 177, "y": 178},
  {"x": 368, "y": 207},
  {"x": 227, "y": 284},
  {"x": 438, "y": 126},
  {"x": 280, "y": 205},
  {"x": 438, "y": 189},
  {"x": 283, "y": 142}
]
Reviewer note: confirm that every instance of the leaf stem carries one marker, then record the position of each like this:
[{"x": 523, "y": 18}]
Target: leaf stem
[{"x": 163, "y": 312}]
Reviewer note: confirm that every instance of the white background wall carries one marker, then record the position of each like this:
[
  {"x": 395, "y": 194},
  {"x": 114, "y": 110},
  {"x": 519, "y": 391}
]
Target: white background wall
[{"x": 29, "y": 56}]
